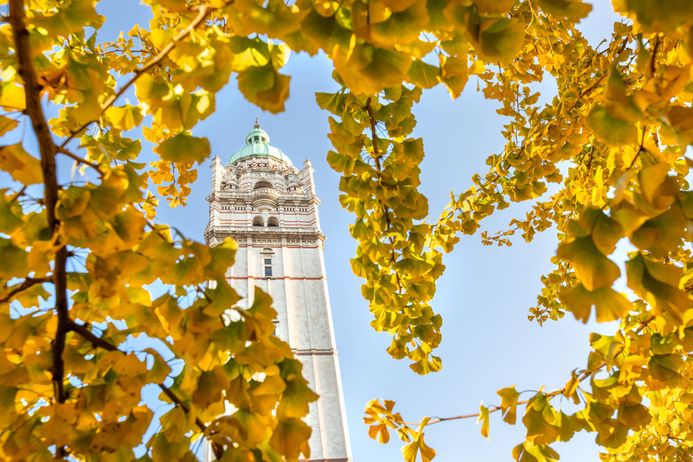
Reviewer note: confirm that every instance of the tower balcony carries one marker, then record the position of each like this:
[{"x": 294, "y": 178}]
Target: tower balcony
[{"x": 265, "y": 196}]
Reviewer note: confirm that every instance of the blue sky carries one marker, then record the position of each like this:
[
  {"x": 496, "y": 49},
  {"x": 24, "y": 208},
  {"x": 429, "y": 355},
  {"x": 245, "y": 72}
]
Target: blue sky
[{"x": 484, "y": 295}]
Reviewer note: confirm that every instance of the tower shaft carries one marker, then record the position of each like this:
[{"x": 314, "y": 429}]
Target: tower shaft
[{"x": 270, "y": 208}]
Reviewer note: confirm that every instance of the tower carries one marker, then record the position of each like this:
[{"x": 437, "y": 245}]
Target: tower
[{"x": 270, "y": 208}]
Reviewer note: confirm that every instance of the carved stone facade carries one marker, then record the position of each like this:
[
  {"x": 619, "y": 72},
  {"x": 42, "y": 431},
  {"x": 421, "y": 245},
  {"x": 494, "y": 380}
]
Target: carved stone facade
[{"x": 270, "y": 208}]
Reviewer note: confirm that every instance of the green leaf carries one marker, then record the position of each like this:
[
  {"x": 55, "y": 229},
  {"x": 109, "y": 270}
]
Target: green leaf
[
  {"x": 424, "y": 75},
  {"x": 574, "y": 10},
  {"x": 634, "y": 416},
  {"x": 184, "y": 148},
  {"x": 666, "y": 367},
  {"x": 501, "y": 39},
  {"x": 15, "y": 262},
  {"x": 611, "y": 129},
  {"x": 265, "y": 87}
]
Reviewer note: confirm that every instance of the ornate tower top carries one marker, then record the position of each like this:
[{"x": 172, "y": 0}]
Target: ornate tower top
[{"x": 257, "y": 144}]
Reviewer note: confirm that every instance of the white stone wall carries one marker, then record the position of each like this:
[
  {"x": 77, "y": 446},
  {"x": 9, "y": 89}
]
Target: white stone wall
[{"x": 298, "y": 283}]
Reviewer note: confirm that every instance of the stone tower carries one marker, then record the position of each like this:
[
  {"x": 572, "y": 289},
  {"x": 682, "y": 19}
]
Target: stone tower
[{"x": 270, "y": 208}]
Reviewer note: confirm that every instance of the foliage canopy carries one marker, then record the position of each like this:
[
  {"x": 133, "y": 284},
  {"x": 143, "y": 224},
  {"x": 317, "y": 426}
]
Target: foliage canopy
[{"x": 603, "y": 162}]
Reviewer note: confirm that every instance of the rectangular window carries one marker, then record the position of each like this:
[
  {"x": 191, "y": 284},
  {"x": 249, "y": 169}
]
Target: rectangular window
[
  {"x": 268, "y": 261},
  {"x": 268, "y": 271}
]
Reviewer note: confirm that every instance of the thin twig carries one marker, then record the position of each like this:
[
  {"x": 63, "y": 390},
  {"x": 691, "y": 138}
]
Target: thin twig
[
  {"x": 80, "y": 160},
  {"x": 561, "y": 391},
  {"x": 26, "y": 284},
  {"x": 19, "y": 193}
]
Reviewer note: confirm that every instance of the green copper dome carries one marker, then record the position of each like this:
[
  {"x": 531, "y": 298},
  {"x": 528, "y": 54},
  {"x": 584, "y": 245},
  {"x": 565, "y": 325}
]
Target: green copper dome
[{"x": 257, "y": 145}]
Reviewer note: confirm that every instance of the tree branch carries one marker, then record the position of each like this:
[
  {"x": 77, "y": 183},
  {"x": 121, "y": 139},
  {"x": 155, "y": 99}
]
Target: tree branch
[
  {"x": 80, "y": 160},
  {"x": 99, "y": 342},
  {"x": 47, "y": 149},
  {"x": 204, "y": 11},
  {"x": 27, "y": 283}
]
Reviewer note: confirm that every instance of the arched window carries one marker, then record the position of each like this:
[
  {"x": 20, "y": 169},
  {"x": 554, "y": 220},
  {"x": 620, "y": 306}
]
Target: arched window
[
  {"x": 273, "y": 221},
  {"x": 258, "y": 221},
  {"x": 266, "y": 255},
  {"x": 262, "y": 184}
]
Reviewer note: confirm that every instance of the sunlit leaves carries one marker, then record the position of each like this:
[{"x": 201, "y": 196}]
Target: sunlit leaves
[
  {"x": 500, "y": 38},
  {"x": 485, "y": 420},
  {"x": 264, "y": 87},
  {"x": 574, "y": 10},
  {"x": 608, "y": 303},
  {"x": 592, "y": 268},
  {"x": 418, "y": 448},
  {"x": 7, "y": 124},
  {"x": 531, "y": 452},
  {"x": 21, "y": 165},
  {"x": 658, "y": 282},
  {"x": 611, "y": 128},
  {"x": 184, "y": 148},
  {"x": 509, "y": 397}
]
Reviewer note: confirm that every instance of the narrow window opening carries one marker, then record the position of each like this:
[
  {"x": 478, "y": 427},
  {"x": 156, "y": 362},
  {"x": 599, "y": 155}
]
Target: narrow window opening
[{"x": 267, "y": 262}]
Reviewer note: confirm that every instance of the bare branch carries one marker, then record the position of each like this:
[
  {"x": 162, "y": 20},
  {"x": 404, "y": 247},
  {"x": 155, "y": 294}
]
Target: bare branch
[
  {"x": 80, "y": 160},
  {"x": 26, "y": 284}
]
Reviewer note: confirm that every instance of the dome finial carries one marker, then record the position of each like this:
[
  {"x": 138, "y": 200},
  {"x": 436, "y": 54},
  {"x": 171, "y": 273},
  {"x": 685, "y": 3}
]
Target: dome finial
[{"x": 257, "y": 122}]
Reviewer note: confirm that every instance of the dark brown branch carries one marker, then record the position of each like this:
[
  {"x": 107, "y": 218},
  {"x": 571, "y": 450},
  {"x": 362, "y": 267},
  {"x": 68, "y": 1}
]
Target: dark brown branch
[
  {"x": 27, "y": 283},
  {"x": 99, "y": 342},
  {"x": 653, "y": 59},
  {"x": 47, "y": 149},
  {"x": 80, "y": 160},
  {"x": 202, "y": 15},
  {"x": 18, "y": 195}
]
